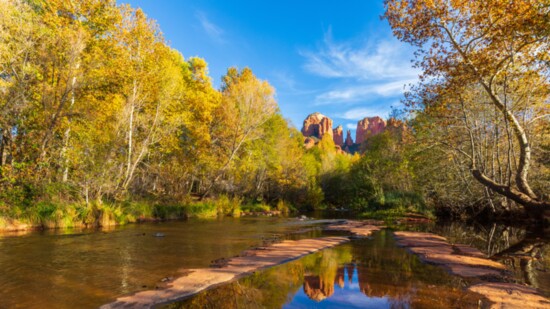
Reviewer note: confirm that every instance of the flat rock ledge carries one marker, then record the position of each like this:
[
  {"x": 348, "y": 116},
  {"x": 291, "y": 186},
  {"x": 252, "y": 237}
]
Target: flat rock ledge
[
  {"x": 198, "y": 280},
  {"x": 510, "y": 295},
  {"x": 357, "y": 228},
  {"x": 468, "y": 262}
]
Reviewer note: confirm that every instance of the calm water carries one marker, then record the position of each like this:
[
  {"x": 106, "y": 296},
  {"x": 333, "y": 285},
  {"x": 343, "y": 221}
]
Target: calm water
[
  {"x": 361, "y": 274},
  {"x": 84, "y": 269},
  {"x": 529, "y": 263},
  {"x": 89, "y": 268}
]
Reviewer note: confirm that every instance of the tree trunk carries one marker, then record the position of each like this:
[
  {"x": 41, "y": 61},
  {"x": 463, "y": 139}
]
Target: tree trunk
[
  {"x": 525, "y": 195},
  {"x": 67, "y": 134},
  {"x": 130, "y": 134},
  {"x": 511, "y": 193},
  {"x": 2, "y": 147}
]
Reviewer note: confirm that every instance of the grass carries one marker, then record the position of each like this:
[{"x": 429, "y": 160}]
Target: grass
[
  {"x": 256, "y": 207},
  {"x": 50, "y": 214}
]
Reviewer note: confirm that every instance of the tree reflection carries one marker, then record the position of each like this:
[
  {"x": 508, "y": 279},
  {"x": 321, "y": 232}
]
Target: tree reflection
[
  {"x": 352, "y": 275},
  {"x": 526, "y": 252}
]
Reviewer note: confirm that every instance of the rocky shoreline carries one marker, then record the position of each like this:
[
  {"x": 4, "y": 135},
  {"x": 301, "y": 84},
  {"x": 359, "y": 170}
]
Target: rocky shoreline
[{"x": 489, "y": 277}]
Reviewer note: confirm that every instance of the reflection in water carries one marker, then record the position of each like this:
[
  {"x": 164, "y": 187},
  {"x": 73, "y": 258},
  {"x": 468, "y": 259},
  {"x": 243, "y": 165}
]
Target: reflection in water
[
  {"x": 364, "y": 273},
  {"x": 55, "y": 269},
  {"x": 526, "y": 253},
  {"x": 87, "y": 269}
]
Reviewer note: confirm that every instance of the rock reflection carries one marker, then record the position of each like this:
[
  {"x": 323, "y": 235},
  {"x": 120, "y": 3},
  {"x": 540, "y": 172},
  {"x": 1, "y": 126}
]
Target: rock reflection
[
  {"x": 316, "y": 289},
  {"x": 364, "y": 273}
]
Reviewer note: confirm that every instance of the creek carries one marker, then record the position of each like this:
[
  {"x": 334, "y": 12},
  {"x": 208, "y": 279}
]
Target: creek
[{"x": 87, "y": 268}]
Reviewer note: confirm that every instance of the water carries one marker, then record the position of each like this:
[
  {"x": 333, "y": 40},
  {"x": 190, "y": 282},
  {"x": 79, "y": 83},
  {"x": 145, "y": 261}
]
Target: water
[
  {"x": 361, "y": 274},
  {"x": 84, "y": 269},
  {"x": 525, "y": 252}
]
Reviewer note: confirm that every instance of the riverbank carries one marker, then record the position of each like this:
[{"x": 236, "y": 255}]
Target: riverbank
[{"x": 52, "y": 215}]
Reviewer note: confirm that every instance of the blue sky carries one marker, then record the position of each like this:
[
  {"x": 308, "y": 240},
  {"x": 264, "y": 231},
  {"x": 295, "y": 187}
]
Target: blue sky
[{"x": 334, "y": 57}]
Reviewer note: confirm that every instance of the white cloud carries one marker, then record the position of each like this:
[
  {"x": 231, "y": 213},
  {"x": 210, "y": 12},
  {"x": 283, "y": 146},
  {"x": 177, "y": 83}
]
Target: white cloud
[
  {"x": 211, "y": 29},
  {"x": 371, "y": 69},
  {"x": 362, "y": 112},
  {"x": 363, "y": 92},
  {"x": 351, "y": 126},
  {"x": 373, "y": 60}
]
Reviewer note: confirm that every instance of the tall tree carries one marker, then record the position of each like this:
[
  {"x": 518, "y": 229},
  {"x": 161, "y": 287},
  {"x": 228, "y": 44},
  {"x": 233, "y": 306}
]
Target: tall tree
[
  {"x": 497, "y": 45},
  {"x": 247, "y": 103}
]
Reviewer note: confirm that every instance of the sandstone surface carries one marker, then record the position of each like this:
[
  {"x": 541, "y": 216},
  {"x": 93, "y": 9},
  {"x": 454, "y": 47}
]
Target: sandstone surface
[
  {"x": 317, "y": 125},
  {"x": 368, "y": 127},
  {"x": 198, "y": 280},
  {"x": 338, "y": 136}
]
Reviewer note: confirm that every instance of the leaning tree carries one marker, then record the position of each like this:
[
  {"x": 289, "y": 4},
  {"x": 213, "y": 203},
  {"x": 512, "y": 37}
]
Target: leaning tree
[{"x": 482, "y": 56}]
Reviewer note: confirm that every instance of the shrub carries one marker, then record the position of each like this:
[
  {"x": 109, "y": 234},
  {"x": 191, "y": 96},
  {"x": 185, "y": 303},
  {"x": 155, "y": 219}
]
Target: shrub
[{"x": 284, "y": 207}]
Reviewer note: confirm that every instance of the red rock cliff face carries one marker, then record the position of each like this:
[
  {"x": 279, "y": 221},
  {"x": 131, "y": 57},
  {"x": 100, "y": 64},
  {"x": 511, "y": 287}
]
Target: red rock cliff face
[
  {"x": 338, "y": 136},
  {"x": 368, "y": 127},
  {"x": 317, "y": 125}
]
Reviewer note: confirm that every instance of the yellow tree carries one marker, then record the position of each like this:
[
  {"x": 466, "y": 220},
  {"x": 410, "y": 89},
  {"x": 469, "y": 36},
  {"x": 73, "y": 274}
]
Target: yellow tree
[
  {"x": 193, "y": 139},
  {"x": 150, "y": 79},
  {"x": 18, "y": 39},
  {"x": 71, "y": 28},
  {"x": 247, "y": 104},
  {"x": 497, "y": 45},
  {"x": 48, "y": 48}
]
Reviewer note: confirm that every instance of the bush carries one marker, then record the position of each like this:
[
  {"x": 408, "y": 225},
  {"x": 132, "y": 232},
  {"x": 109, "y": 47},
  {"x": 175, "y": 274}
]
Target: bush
[
  {"x": 228, "y": 206},
  {"x": 284, "y": 207},
  {"x": 205, "y": 209},
  {"x": 169, "y": 212},
  {"x": 256, "y": 207}
]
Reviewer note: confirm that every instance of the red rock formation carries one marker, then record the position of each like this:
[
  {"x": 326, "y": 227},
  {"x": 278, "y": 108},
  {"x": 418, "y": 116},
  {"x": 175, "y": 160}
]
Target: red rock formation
[
  {"x": 338, "y": 136},
  {"x": 317, "y": 289},
  {"x": 309, "y": 142},
  {"x": 368, "y": 127},
  {"x": 340, "y": 277},
  {"x": 349, "y": 141},
  {"x": 317, "y": 125}
]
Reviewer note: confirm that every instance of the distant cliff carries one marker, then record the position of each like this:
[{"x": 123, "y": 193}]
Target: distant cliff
[{"x": 316, "y": 125}]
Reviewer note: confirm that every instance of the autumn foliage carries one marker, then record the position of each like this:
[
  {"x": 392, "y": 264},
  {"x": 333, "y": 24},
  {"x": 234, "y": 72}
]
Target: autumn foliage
[{"x": 484, "y": 93}]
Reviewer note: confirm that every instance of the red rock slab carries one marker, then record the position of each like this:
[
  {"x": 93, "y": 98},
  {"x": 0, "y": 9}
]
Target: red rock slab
[
  {"x": 459, "y": 259},
  {"x": 357, "y": 228},
  {"x": 418, "y": 235},
  {"x": 198, "y": 280},
  {"x": 510, "y": 295},
  {"x": 467, "y": 250},
  {"x": 469, "y": 262},
  {"x": 442, "y": 258},
  {"x": 430, "y": 250},
  {"x": 472, "y": 272}
]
